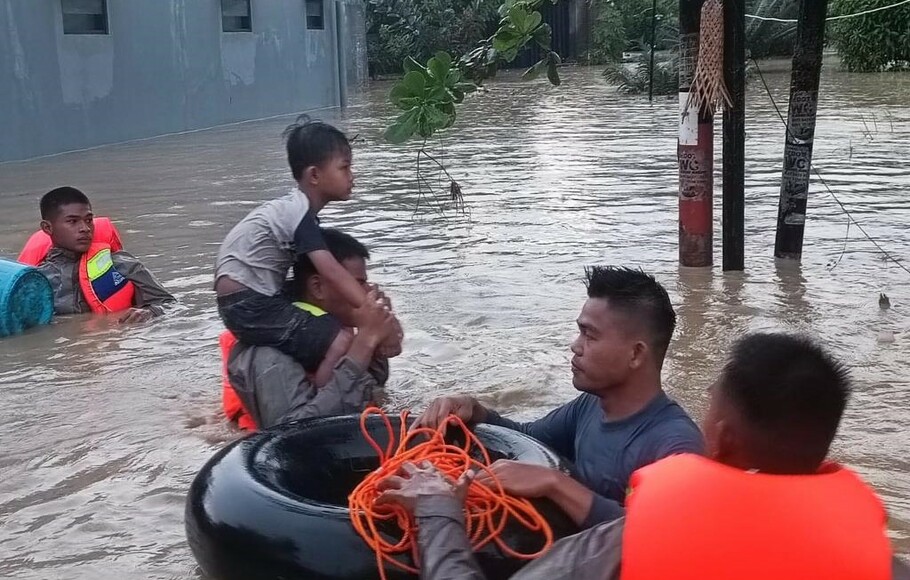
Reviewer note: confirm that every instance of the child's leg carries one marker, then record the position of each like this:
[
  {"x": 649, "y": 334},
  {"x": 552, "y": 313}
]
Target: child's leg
[
  {"x": 337, "y": 350},
  {"x": 273, "y": 321}
]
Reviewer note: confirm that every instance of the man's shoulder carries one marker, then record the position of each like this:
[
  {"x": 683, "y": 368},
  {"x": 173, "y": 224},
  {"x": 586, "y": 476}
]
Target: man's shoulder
[
  {"x": 124, "y": 257},
  {"x": 672, "y": 430}
]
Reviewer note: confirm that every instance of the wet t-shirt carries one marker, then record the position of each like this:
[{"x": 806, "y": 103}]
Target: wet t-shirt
[
  {"x": 260, "y": 250},
  {"x": 605, "y": 453}
]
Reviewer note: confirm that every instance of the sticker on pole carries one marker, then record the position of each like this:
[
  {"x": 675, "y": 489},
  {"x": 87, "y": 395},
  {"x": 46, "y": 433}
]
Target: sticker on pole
[{"x": 688, "y": 121}]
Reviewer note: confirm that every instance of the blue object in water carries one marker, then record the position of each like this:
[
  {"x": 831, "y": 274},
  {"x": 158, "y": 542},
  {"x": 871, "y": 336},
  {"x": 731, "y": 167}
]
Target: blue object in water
[{"x": 26, "y": 298}]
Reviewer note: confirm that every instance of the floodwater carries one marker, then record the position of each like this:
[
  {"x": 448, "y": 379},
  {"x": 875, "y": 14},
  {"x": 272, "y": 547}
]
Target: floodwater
[{"x": 105, "y": 427}]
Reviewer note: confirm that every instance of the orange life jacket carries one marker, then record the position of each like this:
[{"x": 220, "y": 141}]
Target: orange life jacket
[
  {"x": 104, "y": 288},
  {"x": 688, "y": 518},
  {"x": 233, "y": 406}
]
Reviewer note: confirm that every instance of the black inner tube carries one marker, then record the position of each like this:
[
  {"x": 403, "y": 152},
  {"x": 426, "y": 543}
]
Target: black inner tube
[{"x": 274, "y": 505}]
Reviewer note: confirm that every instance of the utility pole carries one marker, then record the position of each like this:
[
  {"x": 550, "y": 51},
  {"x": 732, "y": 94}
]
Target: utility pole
[
  {"x": 653, "y": 42},
  {"x": 695, "y": 151},
  {"x": 734, "y": 135},
  {"x": 794, "y": 187}
]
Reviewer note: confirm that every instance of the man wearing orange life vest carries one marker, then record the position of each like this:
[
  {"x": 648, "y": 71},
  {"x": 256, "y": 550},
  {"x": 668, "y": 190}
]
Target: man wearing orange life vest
[
  {"x": 82, "y": 258},
  {"x": 763, "y": 504},
  {"x": 263, "y": 386}
]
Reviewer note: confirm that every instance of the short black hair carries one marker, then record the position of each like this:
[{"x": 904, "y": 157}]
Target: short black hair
[
  {"x": 310, "y": 142},
  {"x": 638, "y": 294},
  {"x": 791, "y": 393},
  {"x": 53, "y": 200},
  {"x": 341, "y": 245}
]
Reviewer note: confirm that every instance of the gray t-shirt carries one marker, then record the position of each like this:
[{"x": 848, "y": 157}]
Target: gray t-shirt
[
  {"x": 605, "y": 453},
  {"x": 259, "y": 251}
]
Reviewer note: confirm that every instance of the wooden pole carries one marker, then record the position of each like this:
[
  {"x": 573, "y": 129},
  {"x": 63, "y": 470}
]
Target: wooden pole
[
  {"x": 695, "y": 151},
  {"x": 794, "y": 187},
  {"x": 653, "y": 41},
  {"x": 734, "y": 135}
]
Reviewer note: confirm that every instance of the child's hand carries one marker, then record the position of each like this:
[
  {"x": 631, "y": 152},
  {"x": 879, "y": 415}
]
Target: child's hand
[
  {"x": 392, "y": 345},
  {"x": 374, "y": 320}
]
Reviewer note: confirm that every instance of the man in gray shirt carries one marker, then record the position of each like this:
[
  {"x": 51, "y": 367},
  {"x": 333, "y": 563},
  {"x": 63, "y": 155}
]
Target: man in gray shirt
[
  {"x": 622, "y": 421},
  {"x": 768, "y": 505},
  {"x": 275, "y": 388}
]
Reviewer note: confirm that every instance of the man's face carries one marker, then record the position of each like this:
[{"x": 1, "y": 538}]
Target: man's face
[
  {"x": 72, "y": 227},
  {"x": 604, "y": 348},
  {"x": 332, "y": 301}
]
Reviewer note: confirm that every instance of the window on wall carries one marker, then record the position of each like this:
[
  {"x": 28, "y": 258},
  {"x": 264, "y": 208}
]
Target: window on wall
[
  {"x": 236, "y": 16},
  {"x": 84, "y": 16},
  {"x": 315, "y": 16}
]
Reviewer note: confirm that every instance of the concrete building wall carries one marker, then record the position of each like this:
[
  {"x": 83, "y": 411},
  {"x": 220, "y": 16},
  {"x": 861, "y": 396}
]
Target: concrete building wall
[{"x": 165, "y": 66}]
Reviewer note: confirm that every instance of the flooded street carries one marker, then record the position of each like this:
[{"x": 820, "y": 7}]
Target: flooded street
[{"x": 105, "y": 427}]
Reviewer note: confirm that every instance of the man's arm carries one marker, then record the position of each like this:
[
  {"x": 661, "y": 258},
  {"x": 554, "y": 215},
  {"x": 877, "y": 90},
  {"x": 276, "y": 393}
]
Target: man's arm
[
  {"x": 150, "y": 294},
  {"x": 556, "y": 428},
  {"x": 445, "y": 551},
  {"x": 582, "y": 505}
]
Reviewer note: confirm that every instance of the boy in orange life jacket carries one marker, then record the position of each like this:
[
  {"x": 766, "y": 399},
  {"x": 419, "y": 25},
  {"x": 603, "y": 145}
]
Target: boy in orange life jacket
[
  {"x": 764, "y": 504},
  {"x": 256, "y": 255},
  {"x": 89, "y": 274}
]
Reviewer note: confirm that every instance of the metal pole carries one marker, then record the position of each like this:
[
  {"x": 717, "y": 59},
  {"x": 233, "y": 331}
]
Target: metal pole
[
  {"x": 653, "y": 34},
  {"x": 794, "y": 187},
  {"x": 695, "y": 151},
  {"x": 734, "y": 135},
  {"x": 341, "y": 50}
]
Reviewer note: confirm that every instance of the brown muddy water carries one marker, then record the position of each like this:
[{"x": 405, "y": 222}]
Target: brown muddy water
[{"x": 105, "y": 427}]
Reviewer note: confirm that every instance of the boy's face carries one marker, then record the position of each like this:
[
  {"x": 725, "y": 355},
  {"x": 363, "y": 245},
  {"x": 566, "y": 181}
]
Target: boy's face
[
  {"x": 334, "y": 179},
  {"x": 72, "y": 227}
]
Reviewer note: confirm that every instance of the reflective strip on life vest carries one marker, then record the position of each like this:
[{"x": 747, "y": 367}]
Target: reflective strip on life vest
[{"x": 104, "y": 288}]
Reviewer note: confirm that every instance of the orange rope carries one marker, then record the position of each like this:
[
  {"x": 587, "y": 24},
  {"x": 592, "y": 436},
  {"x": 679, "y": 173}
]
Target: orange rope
[{"x": 487, "y": 509}]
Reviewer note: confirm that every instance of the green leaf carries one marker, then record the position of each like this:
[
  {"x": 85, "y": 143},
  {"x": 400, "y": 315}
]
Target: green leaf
[
  {"x": 505, "y": 40},
  {"x": 553, "y": 73},
  {"x": 518, "y": 16},
  {"x": 444, "y": 58},
  {"x": 437, "y": 69},
  {"x": 543, "y": 36},
  {"x": 403, "y": 128},
  {"x": 415, "y": 82},
  {"x": 453, "y": 78},
  {"x": 438, "y": 93},
  {"x": 435, "y": 118},
  {"x": 400, "y": 95},
  {"x": 534, "y": 70},
  {"x": 412, "y": 65},
  {"x": 532, "y": 22}
]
